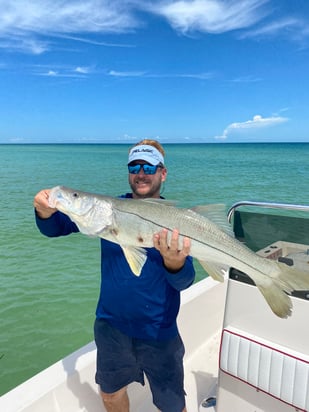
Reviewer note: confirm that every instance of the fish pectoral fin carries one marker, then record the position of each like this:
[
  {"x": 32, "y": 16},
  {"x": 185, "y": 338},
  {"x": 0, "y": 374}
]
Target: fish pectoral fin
[
  {"x": 214, "y": 270},
  {"x": 136, "y": 258}
]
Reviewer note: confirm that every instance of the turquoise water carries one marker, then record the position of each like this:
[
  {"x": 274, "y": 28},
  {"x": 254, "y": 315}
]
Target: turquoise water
[{"x": 49, "y": 287}]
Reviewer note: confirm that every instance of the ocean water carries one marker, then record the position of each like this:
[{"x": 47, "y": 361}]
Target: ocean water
[{"x": 49, "y": 287}]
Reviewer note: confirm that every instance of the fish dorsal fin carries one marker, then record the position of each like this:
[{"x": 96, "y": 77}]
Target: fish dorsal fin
[
  {"x": 136, "y": 258},
  {"x": 217, "y": 214}
]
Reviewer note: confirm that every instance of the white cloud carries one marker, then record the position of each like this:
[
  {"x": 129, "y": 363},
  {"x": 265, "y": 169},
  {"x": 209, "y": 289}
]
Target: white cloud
[
  {"x": 210, "y": 16},
  {"x": 198, "y": 76},
  {"x": 62, "y": 71},
  {"x": 38, "y": 26},
  {"x": 246, "y": 79},
  {"x": 285, "y": 25},
  {"x": 23, "y": 43},
  {"x": 94, "y": 42},
  {"x": 116, "y": 73},
  {"x": 52, "y": 73},
  {"x": 25, "y": 24},
  {"x": 71, "y": 16},
  {"x": 257, "y": 122},
  {"x": 82, "y": 70}
]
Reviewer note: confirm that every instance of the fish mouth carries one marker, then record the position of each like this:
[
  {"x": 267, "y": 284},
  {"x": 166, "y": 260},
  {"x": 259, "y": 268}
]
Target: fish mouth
[
  {"x": 54, "y": 196},
  {"x": 61, "y": 201}
]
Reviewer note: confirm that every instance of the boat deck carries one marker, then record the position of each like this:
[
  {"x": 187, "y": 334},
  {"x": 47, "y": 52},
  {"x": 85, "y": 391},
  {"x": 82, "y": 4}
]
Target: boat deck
[{"x": 201, "y": 373}]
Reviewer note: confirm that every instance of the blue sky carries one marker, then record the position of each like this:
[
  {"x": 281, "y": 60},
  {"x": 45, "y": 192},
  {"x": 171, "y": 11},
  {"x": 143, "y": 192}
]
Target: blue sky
[{"x": 178, "y": 71}]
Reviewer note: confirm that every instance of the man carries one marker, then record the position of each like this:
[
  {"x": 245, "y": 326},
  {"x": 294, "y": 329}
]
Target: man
[{"x": 135, "y": 328}]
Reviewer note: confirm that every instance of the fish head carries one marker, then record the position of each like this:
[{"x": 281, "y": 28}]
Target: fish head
[
  {"x": 91, "y": 214},
  {"x": 70, "y": 201}
]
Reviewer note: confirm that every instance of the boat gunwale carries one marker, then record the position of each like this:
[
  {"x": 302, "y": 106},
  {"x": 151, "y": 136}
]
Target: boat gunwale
[{"x": 268, "y": 205}]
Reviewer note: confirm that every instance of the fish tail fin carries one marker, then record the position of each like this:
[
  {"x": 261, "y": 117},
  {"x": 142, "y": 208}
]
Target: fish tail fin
[
  {"x": 284, "y": 279},
  {"x": 279, "y": 302},
  {"x": 292, "y": 278}
]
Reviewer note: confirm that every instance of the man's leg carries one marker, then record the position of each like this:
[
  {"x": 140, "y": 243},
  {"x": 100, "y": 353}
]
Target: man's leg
[
  {"x": 116, "y": 366},
  {"x": 162, "y": 362},
  {"x": 117, "y": 401}
]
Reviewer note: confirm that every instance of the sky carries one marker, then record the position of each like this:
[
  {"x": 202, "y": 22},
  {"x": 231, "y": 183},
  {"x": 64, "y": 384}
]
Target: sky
[{"x": 185, "y": 71}]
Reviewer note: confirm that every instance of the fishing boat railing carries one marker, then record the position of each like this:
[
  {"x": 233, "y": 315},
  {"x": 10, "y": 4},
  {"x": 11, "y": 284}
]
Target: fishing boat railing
[{"x": 283, "y": 206}]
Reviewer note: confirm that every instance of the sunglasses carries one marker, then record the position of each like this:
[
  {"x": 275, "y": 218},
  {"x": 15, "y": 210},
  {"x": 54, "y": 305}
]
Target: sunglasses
[{"x": 148, "y": 169}]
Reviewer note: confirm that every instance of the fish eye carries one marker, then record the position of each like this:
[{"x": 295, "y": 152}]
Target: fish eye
[{"x": 75, "y": 194}]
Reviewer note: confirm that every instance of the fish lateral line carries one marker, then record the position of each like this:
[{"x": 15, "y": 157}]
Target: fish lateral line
[{"x": 169, "y": 228}]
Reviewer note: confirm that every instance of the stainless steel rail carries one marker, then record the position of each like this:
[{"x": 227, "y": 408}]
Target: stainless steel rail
[{"x": 285, "y": 206}]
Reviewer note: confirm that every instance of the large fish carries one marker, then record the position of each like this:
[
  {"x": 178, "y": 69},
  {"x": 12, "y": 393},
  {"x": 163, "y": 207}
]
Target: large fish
[{"x": 132, "y": 224}]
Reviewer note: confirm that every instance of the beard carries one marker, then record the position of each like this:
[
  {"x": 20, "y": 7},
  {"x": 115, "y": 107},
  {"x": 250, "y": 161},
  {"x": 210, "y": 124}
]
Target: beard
[{"x": 143, "y": 187}]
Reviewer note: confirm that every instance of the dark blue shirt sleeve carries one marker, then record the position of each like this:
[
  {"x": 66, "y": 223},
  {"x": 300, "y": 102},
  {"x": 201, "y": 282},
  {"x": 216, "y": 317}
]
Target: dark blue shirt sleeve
[
  {"x": 56, "y": 225},
  {"x": 184, "y": 277}
]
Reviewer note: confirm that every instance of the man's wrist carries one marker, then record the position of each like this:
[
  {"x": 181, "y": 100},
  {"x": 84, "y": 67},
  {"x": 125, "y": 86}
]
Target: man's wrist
[
  {"x": 172, "y": 267},
  {"x": 43, "y": 214}
]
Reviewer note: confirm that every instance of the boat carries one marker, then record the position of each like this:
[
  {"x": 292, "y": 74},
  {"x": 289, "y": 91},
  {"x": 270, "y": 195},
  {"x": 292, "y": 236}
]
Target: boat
[{"x": 239, "y": 355}]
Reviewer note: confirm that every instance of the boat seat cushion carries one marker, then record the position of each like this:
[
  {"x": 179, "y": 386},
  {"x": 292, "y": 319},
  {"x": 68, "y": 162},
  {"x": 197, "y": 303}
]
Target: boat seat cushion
[{"x": 273, "y": 369}]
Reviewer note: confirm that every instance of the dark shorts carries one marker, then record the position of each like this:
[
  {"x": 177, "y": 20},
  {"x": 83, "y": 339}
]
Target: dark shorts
[{"x": 122, "y": 360}]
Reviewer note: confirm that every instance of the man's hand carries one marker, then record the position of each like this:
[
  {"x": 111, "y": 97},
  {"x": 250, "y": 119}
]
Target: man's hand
[
  {"x": 173, "y": 257},
  {"x": 41, "y": 205}
]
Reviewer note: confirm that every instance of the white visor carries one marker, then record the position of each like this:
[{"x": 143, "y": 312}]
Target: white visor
[{"x": 147, "y": 153}]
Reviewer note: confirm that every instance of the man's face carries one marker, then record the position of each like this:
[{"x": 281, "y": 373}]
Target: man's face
[{"x": 146, "y": 185}]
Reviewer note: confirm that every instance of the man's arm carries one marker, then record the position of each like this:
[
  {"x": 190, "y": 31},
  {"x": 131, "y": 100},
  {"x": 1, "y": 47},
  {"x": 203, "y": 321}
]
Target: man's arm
[{"x": 177, "y": 262}]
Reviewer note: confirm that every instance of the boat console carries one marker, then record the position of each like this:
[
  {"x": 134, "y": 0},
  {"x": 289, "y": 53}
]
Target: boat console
[{"x": 263, "y": 359}]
